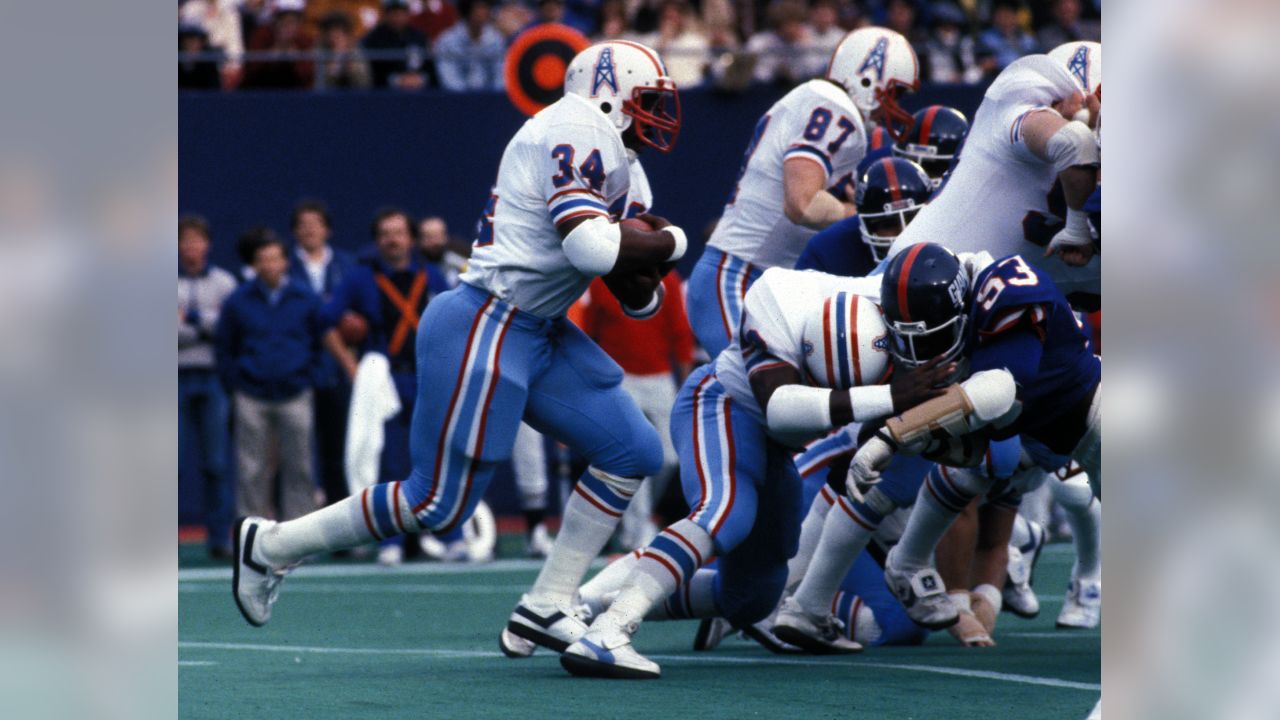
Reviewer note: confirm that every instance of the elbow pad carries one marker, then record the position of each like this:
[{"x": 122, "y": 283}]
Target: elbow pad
[
  {"x": 823, "y": 210},
  {"x": 1073, "y": 145},
  {"x": 592, "y": 247},
  {"x": 799, "y": 410},
  {"x": 991, "y": 393}
]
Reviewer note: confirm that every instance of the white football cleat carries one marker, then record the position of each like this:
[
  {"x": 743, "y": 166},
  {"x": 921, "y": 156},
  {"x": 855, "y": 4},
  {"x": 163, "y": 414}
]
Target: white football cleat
[
  {"x": 254, "y": 584},
  {"x": 390, "y": 555},
  {"x": 710, "y": 632},
  {"x": 1082, "y": 608},
  {"x": 551, "y": 626},
  {"x": 1017, "y": 594},
  {"x": 818, "y": 634},
  {"x": 607, "y": 653},
  {"x": 540, "y": 542},
  {"x": 922, "y": 594},
  {"x": 514, "y": 646}
]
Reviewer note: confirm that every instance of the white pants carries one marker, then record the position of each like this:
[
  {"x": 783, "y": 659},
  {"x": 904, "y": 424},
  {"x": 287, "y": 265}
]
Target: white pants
[{"x": 655, "y": 394}]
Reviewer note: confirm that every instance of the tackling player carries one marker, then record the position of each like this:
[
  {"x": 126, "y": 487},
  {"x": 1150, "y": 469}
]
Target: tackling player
[
  {"x": 808, "y": 140},
  {"x": 809, "y": 356},
  {"x": 497, "y": 348},
  {"x": 1032, "y": 374}
]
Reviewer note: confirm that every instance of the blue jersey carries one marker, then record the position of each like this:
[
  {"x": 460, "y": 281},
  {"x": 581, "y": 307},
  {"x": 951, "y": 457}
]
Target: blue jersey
[
  {"x": 838, "y": 250},
  {"x": 1020, "y": 321}
]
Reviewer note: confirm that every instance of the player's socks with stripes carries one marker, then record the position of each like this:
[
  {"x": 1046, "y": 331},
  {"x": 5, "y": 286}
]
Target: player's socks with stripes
[
  {"x": 810, "y": 533},
  {"x": 672, "y": 558},
  {"x": 859, "y": 620},
  {"x": 590, "y": 517},
  {"x": 944, "y": 493},
  {"x": 376, "y": 513},
  {"x": 598, "y": 592},
  {"x": 695, "y": 598},
  {"x": 846, "y": 532},
  {"x": 1084, "y": 515}
]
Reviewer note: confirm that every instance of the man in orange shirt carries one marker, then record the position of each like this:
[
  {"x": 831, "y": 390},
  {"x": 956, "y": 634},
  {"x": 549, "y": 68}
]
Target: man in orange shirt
[{"x": 656, "y": 354}]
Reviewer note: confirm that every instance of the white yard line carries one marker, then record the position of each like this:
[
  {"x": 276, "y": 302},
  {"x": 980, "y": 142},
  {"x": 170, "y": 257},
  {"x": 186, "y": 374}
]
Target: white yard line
[
  {"x": 675, "y": 659},
  {"x": 380, "y": 588}
]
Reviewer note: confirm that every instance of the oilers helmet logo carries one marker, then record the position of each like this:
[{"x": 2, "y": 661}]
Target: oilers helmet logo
[
  {"x": 604, "y": 76},
  {"x": 875, "y": 58},
  {"x": 1079, "y": 67}
]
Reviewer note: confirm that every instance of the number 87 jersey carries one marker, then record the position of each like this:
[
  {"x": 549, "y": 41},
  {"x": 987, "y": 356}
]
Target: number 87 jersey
[{"x": 816, "y": 121}]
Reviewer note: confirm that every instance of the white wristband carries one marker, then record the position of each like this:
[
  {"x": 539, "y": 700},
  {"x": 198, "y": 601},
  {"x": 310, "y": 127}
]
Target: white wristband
[
  {"x": 871, "y": 402},
  {"x": 682, "y": 242},
  {"x": 648, "y": 310}
]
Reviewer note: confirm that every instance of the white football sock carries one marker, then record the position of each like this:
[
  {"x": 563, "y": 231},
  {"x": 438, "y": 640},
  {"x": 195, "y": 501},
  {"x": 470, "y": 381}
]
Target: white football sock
[
  {"x": 590, "y": 517},
  {"x": 845, "y": 533},
  {"x": 1021, "y": 535},
  {"x": 344, "y": 524},
  {"x": 695, "y": 598},
  {"x": 945, "y": 492},
  {"x": 663, "y": 567},
  {"x": 810, "y": 533},
  {"x": 599, "y": 591},
  {"x": 1084, "y": 515}
]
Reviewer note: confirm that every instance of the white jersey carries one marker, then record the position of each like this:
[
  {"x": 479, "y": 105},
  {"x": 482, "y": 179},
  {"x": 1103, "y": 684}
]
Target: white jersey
[
  {"x": 998, "y": 181},
  {"x": 817, "y": 120},
  {"x": 568, "y": 161},
  {"x": 774, "y": 311}
]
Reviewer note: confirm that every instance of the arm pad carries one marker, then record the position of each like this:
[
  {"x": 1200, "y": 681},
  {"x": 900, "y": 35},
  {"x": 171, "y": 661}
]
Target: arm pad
[
  {"x": 592, "y": 247},
  {"x": 796, "y": 410},
  {"x": 985, "y": 397},
  {"x": 1073, "y": 145},
  {"x": 823, "y": 210}
]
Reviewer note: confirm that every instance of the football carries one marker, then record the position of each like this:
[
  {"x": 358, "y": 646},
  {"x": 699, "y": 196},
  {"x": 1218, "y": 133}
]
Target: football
[{"x": 353, "y": 328}]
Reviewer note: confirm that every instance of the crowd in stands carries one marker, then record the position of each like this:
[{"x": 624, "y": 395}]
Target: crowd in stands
[{"x": 461, "y": 46}]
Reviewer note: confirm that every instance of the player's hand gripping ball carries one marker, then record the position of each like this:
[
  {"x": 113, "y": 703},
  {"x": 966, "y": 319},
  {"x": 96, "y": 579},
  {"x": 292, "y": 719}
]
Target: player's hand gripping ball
[{"x": 635, "y": 288}]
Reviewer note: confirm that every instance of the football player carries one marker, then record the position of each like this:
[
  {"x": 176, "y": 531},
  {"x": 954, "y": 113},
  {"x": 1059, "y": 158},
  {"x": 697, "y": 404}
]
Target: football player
[
  {"x": 1025, "y": 138},
  {"x": 809, "y": 357},
  {"x": 888, "y": 196},
  {"x": 935, "y": 140},
  {"x": 1032, "y": 373},
  {"x": 805, "y": 143},
  {"x": 497, "y": 349}
]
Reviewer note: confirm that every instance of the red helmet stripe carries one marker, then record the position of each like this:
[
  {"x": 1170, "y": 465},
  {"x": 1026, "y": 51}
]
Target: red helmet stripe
[
  {"x": 926, "y": 125},
  {"x": 662, "y": 72},
  {"x": 891, "y": 173},
  {"x": 826, "y": 341},
  {"x": 853, "y": 339},
  {"x": 902, "y": 280}
]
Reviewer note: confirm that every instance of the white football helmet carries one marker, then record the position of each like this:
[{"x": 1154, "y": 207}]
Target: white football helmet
[
  {"x": 875, "y": 65},
  {"x": 1084, "y": 61},
  {"x": 846, "y": 343},
  {"x": 629, "y": 83}
]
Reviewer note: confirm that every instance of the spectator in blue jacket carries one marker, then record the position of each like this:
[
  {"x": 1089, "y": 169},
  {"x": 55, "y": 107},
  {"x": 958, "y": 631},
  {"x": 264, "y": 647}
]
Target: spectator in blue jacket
[
  {"x": 268, "y": 348},
  {"x": 1005, "y": 41},
  {"x": 321, "y": 267},
  {"x": 390, "y": 291}
]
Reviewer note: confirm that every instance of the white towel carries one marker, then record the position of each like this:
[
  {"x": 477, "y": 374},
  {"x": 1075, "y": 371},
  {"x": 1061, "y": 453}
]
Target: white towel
[{"x": 373, "y": 402}]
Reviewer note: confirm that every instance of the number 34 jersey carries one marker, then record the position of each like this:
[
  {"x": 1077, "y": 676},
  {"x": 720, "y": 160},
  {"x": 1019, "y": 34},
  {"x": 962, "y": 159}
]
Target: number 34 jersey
[
  {"x": 818, "y": 121},
  {"x": 566, "y": 162}
]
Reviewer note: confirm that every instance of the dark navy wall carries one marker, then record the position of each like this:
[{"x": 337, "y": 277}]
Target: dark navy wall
[{"x": 247, "y": 157}]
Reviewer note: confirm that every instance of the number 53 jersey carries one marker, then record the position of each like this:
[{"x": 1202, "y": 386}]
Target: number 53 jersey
[
  {"x": 817, "y": 121},
  {"x": 566, "y": 162}
]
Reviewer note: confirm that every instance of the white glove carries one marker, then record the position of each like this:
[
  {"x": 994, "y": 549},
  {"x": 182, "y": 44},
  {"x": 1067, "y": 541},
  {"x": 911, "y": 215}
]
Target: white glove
[
  {"x": 1075, "y": 235},
  {"x": 864, "y": 469}
]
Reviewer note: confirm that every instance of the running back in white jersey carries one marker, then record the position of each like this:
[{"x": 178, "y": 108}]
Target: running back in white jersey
[
  {"x": 774, "y": 312},
  {"x": 998, "y": 181},
  {"x": 567, "y": 161},
  {"x": 817, "y": 120}
]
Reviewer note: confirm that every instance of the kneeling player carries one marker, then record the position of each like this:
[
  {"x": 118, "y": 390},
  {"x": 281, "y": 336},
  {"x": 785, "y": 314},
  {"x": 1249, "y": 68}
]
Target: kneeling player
[{"x": 807, "y": 358}]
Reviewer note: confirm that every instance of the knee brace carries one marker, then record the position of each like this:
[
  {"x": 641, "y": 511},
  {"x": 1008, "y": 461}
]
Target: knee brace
[{"x": 625, "y": 486}]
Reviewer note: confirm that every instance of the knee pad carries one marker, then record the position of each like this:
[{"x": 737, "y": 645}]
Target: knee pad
[
  {"x": 625, "y": 486},
  {"x": 746, "y": 603}
]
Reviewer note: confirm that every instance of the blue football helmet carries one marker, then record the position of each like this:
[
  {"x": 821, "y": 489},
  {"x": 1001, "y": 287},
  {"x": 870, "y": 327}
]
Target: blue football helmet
[
  {"x": 935, "y": 140},
  {"x": 925, "y": 297},
  {"x": 888, "y": 196}
]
